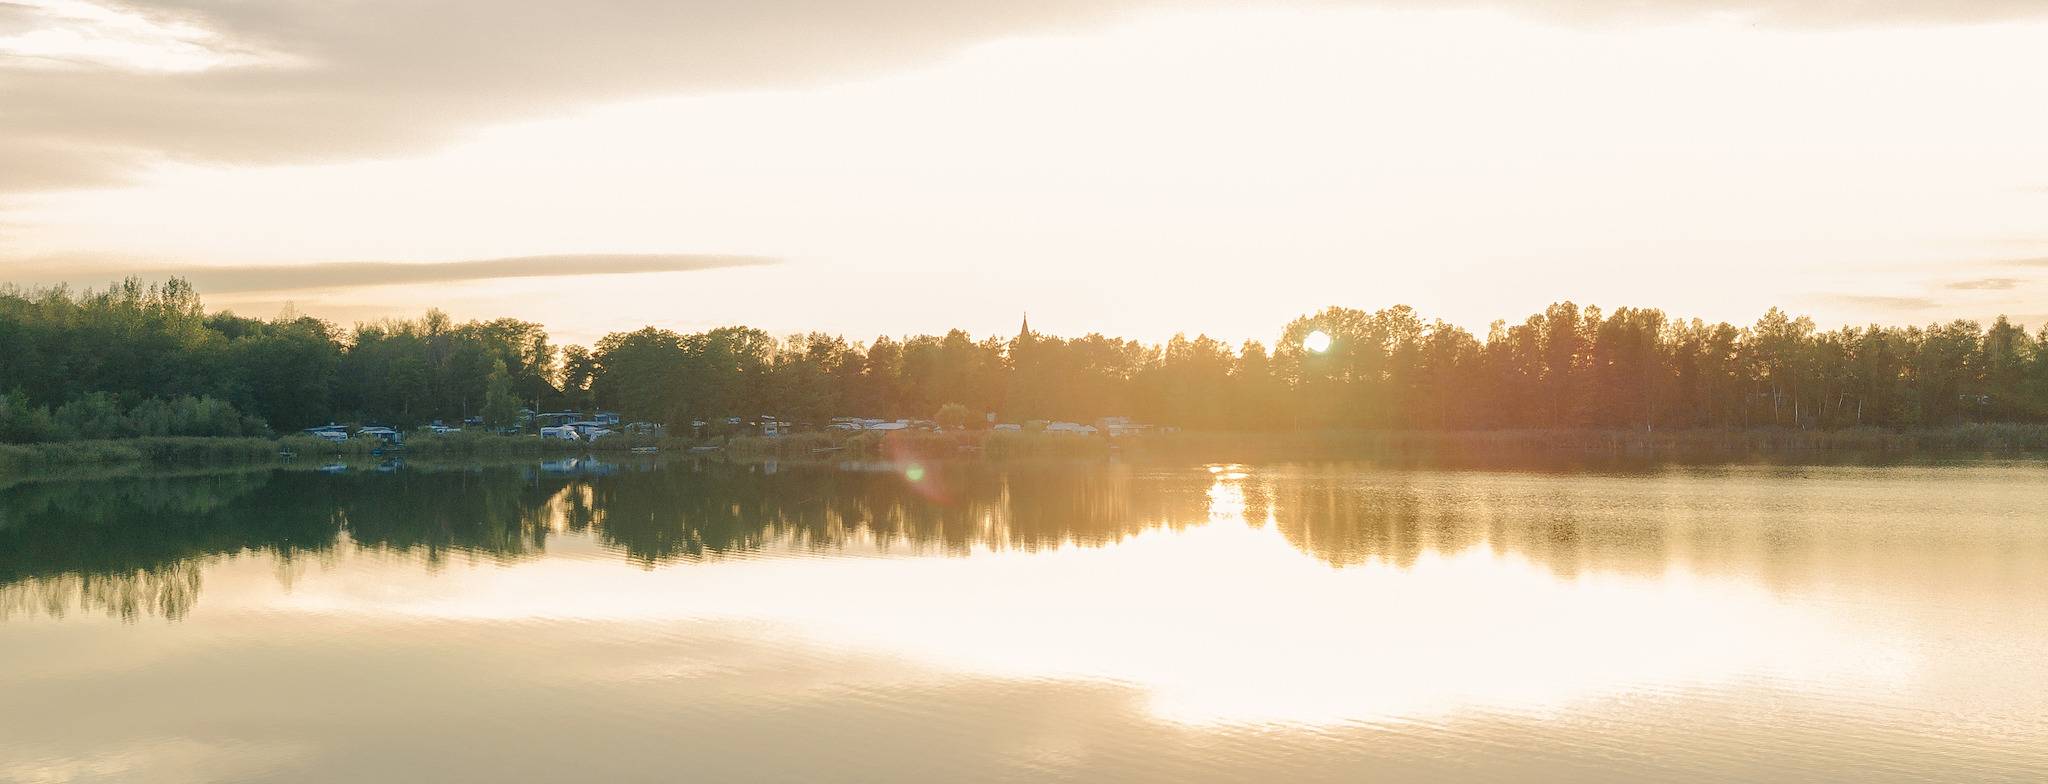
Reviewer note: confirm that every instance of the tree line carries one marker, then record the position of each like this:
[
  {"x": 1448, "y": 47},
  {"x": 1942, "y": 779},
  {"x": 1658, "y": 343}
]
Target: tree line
[{"x": 137, "y": 359}]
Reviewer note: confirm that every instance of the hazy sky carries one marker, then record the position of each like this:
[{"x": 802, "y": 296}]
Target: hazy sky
[{"x": 1125, "y": 166}]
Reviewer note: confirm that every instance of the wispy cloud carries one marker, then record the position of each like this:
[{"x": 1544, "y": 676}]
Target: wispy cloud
[
  {"x": 286, "y": 81},
  {"x": 350, "y": 274},
  {"x": 1888, "y": 302},
  {"x": 384, "y": 77},
  {"x": 1985, "y": 284}
]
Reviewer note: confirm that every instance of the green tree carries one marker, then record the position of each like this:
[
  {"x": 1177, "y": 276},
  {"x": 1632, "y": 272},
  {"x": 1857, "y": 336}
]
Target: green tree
[
  {"x": 500, "y": 400},
  {"x": 579, "y": 369},
  {"x": 641, "y": 374}
]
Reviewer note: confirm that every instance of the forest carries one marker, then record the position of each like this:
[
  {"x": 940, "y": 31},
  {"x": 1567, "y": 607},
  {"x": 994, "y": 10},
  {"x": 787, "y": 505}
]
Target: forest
[{"x": 138, "y": 359}]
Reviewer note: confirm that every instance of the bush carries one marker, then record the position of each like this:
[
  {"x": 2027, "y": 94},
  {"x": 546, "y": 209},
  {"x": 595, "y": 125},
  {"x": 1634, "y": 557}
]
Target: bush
[
  {"x": 100, "y": 416},
  {"x": 21, "y": 423},
  {"x": 93, "y": 415},
  {"x": 192, "y": 416}
]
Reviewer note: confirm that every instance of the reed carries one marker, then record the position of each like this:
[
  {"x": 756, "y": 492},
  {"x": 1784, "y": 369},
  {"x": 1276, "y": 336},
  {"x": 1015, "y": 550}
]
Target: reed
[
  {"x": 797, "y": 446},
  {"x": 196, "y": 450},
  {"x": 1010, "y": 445}
]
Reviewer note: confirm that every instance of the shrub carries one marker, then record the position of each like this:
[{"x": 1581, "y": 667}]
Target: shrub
[
  {"x": 192, "y": 416},
  {"x": 93, "y": 415},
  {"x": 21, "y": 423},
  {"x": 98, "y": 416}
]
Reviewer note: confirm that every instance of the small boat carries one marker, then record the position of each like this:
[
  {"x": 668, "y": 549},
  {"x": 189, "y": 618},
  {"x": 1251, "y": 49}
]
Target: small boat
[{"x": 646, "y": 450}]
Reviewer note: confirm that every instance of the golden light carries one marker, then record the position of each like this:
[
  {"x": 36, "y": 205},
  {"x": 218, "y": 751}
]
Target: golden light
[
  {"x": 1317, "y": 341},
  {"x": 1374, "y": 641}
]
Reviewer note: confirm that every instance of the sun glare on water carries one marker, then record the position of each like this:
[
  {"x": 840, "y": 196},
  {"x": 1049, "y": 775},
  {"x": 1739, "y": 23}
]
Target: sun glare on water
[{"x": 1453, "y": 631}]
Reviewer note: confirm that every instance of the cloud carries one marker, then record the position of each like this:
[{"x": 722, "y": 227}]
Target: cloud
[
  {"x": 290, "y": 277},
  {"x": 381, "y": 77},
  {"x": 1783, "y": 13},
  {"x": 2038, "y": 261},
  {"x": 16, "y": 17},
  {"x": 1888, "y": 302},
  {"x": 1985, "y": 284},
  {"x": 294, "y": 81}
]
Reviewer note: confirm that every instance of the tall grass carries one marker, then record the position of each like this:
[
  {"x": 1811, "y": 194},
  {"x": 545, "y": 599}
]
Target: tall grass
[
  {"x": 1018, "y": 444},
  {"x": 21, "y": 458},
  {"x": 796, "y": 446}
]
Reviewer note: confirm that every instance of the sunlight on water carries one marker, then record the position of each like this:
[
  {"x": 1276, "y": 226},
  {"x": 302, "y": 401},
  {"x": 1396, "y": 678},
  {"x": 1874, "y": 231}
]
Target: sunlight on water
[
  {"x": 1342, "y": 615},
  {"x": 1224, "y": 622}
]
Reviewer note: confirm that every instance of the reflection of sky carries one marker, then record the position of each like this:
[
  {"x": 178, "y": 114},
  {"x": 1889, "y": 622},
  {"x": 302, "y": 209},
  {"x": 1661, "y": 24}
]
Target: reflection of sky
[{"x": 1226, "y": 622}]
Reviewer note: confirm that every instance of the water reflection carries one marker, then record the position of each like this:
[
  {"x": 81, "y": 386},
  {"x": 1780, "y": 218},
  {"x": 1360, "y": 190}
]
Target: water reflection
[
  {"x": 131, "y": 547},
  {"x": 1261, "y": 617}
]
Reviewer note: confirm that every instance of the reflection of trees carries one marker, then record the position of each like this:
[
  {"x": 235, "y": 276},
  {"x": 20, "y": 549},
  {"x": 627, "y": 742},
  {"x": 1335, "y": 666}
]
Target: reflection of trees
[
  {"x": 134, "y": 547},
  {"x": 133, "y": 525},
  {"x": 495, "y": 513},
  {"x": 689, "y": 512},
  {"x": 1348, "y": 514},
  {"x": 137, "y": 546},
  {"x": 168, "y": 591}
]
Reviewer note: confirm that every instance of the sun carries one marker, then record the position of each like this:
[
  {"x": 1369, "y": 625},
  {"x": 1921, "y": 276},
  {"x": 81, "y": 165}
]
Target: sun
[{"x": 1317, "y": 341}]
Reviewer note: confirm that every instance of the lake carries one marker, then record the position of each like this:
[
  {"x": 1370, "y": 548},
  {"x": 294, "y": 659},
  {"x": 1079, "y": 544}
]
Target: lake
[{"x": 582, "y": 620}]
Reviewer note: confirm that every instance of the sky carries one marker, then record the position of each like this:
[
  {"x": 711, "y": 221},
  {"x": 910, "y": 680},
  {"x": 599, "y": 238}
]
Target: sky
[{"x": 1132, "y": 167}]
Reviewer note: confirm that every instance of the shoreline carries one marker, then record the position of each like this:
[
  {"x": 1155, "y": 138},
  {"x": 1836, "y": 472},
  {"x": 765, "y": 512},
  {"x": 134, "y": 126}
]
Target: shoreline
[{"x": 20, "y": 459}]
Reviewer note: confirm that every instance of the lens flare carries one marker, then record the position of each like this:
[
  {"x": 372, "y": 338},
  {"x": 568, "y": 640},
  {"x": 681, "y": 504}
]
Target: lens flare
[{"x": 914, "y": 472}]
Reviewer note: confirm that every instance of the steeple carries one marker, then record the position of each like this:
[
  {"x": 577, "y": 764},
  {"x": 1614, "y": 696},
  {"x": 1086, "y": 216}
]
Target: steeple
[{"x": 1024, "y": 333}]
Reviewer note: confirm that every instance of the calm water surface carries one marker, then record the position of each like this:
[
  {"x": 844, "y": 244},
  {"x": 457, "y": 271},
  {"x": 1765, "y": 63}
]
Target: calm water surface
[{"x": 580, "y": 621}]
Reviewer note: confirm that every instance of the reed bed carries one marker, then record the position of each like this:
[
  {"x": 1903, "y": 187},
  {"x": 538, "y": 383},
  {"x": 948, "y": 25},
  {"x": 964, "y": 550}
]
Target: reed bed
[
  {"x": 21, "y": 458},
  {"x": 1009, "y": 445}
]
